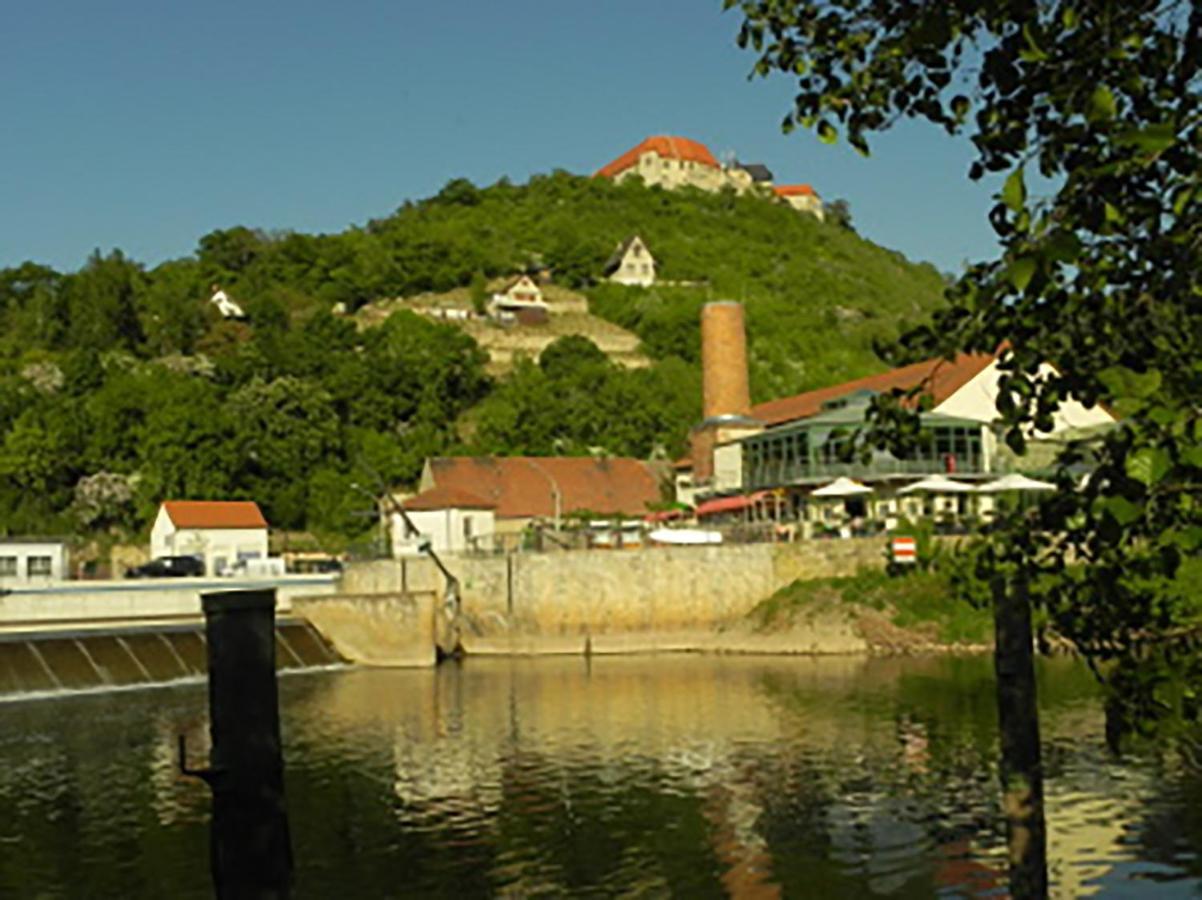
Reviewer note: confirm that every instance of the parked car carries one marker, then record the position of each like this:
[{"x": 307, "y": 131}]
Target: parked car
[
  {"x": 270, "y": 567},
  {"x": 169, "y": 567}
]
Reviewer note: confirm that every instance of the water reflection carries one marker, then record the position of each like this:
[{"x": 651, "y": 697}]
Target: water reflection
[{"x": 699, "y": 776}]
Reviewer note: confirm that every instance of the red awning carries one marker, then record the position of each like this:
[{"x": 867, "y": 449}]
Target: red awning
[
  {"x": 729, "y": 504},
  {"x": 664, "y": 515}
]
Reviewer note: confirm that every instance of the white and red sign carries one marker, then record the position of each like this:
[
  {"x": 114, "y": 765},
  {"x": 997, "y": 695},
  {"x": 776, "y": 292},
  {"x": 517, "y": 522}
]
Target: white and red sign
[{"x": 905, "y": 550}]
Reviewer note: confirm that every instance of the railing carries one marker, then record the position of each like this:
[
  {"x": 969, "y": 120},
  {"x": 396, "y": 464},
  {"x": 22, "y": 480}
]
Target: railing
[{"x": 779, "y": 473}]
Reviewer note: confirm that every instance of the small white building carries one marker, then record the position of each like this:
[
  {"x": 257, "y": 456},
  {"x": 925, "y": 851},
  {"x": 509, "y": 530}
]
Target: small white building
[
  {"x": 31, "y": 560},
  {"x": 522, "y": 289},
  {"x": 227, "y": 307},
  {"x": 450, "y": 519},
  {"x": 632, "y": 263},
  {"x": 221, "y": 532}
]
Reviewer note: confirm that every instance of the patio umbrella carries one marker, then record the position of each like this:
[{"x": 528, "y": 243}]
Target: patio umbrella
[
  {"x": 1015, "y": 482},
  {"x": 842, "y": 487},
  {"x": 938, "y": 484}
]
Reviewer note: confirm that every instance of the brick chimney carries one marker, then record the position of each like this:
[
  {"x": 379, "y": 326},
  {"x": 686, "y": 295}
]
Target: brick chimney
[
  {"x": 726, "y": 396},
  {"x": 724, "y": 387}
]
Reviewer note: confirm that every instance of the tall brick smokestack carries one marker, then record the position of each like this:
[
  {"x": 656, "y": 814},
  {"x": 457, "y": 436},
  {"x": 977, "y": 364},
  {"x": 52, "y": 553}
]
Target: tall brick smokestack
[{"x": 724, "y": 387}]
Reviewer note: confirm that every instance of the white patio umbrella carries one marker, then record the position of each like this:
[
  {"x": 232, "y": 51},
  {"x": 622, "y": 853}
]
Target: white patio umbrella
[
  {"x": 938, "y": 484},
  {"x": 1015, "y": 482},
  {"x": 841, "y": 487}
]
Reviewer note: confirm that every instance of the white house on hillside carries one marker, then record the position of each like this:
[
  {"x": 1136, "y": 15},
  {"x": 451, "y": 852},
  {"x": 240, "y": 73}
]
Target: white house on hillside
[
  {"x": 221, "y": 532},
  {"x": 30, "y": 560},
  {"x": 632, "y": 263}
]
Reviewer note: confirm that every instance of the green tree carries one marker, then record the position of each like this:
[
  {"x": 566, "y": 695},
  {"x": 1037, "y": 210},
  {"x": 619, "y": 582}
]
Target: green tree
[
  {"x": 102, "y": 302},
  {"x": 838, "y": 213},
  {"x": 1098, "y": 274},
  {"x": 478, "y": 290},
  {"x": 283, "y": 430}
]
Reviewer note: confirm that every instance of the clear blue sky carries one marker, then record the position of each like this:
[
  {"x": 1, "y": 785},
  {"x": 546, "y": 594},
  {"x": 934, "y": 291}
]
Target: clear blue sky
[{"x": 144, "y": 124}]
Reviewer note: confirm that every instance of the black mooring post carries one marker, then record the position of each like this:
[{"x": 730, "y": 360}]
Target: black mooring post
[{"x": 250, "y": 848}]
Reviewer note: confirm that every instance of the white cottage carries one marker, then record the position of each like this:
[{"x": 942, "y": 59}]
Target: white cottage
[
  {"x": 221, "y": 532},
  {"x": 632, "y": 263},
  {"x": 452, "y": 520},
  {"x": 31, "y": 560}
]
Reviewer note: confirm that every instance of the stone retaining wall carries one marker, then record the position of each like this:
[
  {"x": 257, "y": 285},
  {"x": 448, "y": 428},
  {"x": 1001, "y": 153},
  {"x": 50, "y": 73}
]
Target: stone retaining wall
[{"x": 616, "y": 601}]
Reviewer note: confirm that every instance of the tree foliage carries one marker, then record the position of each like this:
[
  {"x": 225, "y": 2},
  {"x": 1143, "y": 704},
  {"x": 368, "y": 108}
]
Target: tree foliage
[{"x": 1089, "y": 115}]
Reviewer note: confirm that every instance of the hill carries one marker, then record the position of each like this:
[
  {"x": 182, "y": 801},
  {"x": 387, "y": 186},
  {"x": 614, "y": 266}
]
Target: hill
[
  {"x": 817, "y": 295},
  {"x": 121, "y": 385}
]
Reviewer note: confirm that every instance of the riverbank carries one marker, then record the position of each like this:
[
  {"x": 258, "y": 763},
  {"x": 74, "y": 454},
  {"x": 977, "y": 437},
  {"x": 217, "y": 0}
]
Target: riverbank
[{"x": 912, "y": 612}]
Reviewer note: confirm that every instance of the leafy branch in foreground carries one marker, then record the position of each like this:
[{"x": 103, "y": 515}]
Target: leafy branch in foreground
[{"x": 1098, "y": 104}]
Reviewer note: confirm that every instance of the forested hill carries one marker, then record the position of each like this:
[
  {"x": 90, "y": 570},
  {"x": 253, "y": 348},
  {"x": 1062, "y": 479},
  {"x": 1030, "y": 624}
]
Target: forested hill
[{"x": 120, "y": 386}]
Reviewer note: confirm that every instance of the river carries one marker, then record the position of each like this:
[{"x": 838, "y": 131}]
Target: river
[{"x": 639, "y": 776}]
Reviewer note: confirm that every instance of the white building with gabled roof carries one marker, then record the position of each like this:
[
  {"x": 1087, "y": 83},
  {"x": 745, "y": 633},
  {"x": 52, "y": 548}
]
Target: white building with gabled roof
[
  {"x": 221, "y": 532},
  {"x": 631, "y": 263}
]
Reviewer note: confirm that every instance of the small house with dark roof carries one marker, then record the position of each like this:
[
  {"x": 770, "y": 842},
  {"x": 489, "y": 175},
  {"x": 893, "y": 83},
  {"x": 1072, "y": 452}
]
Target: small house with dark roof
[
  {"x": 220, "y": 532},
  {"x": 631, "y": 263},
  {"x": 449, "y": 518},
  {"x": 757, "y": 172}
]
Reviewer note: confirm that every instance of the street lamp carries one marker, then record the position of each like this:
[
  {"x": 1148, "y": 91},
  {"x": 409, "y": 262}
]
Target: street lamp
[{"x": 556, "y": 495}]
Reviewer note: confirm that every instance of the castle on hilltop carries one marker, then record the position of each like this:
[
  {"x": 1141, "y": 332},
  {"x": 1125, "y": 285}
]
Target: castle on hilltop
[{"x": 674, "y": 162}]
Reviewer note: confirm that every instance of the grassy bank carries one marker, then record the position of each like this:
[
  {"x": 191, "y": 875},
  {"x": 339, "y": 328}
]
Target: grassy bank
[{"x": 926, "y": 604}]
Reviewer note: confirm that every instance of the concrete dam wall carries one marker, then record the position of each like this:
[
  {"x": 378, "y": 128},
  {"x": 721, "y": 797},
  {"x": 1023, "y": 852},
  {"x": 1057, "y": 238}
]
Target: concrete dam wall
[{"x": 606, "y": 601}]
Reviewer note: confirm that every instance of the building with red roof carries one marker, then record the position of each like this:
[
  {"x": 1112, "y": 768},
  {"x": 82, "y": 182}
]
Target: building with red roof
[
  {"x": 673, "y": 162},
  {"x": 668, "y": 161},
  {"x": 802, "y": 198},
  {"x": 523, "y": 489},
  {"x": 221, "y": 532},
  {"x": 451, "y": 518},
  {"x": 792, "y": 445}
]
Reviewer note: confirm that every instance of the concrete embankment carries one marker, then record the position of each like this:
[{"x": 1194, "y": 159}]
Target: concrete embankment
[
  {"x": 396, "y": 629},
  {"x": 603, "y": 601},
  {"x": 107, "y": 604}
]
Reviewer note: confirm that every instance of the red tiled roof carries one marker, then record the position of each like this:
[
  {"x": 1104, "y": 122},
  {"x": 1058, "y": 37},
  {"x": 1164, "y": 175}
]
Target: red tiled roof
[
  {"x": 664, "y": 145},
  {"x": 945, "y": 378},
  {"x": 441, "y": 497},
  {"x": 214, "y": 513},
  {"x": 523, "y": 486},
  {"x": 794, "y": 190}
]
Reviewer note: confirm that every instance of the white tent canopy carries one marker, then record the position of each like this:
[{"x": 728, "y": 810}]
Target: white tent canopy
[
  {"x": 842, "y": 487},
  {"x": 938, "y": 484},
  {"x": 1015, "y": 482},
  {"x": 685, "y": 536}
]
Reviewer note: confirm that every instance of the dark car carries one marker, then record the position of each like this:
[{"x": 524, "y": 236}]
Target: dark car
[{"x": 169, "y": 567}]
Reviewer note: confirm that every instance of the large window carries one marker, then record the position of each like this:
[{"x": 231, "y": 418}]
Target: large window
[
  {"x": 38, "y": 565},
  {"x": 8, "y": 565}
]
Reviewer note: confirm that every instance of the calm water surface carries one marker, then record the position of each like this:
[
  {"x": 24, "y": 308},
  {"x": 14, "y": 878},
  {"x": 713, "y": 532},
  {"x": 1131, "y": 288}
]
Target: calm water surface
[{"x": 676, "y": 775}]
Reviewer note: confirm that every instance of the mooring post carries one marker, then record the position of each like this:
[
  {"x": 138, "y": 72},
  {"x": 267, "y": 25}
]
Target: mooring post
[{"x": 250, "y": 847}]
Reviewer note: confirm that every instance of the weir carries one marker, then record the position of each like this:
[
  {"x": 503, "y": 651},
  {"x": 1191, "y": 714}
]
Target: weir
[{"x": 49, "y": 662}]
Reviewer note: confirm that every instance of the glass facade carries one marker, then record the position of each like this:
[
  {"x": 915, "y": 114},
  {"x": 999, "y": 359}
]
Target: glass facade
[{"x": 816, "y": 448}]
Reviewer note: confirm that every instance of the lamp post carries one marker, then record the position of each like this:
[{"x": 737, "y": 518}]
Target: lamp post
[
  {"x": 385, "y": 524},
  {"x": 556, "y": 495}
]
